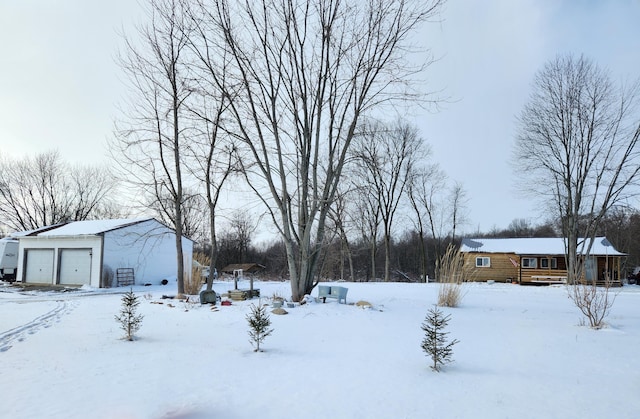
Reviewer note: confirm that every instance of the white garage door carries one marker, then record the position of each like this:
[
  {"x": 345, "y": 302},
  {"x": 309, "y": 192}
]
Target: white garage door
[
  {"x": 75, "y": 266},
  {"x": 39, "y": 266}
]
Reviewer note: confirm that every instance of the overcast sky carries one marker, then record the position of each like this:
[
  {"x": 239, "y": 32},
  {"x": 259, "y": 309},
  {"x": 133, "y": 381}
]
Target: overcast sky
[{"x": 59, "y": 84}]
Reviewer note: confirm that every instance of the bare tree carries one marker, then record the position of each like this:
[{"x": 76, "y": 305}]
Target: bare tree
[
  {"x": 578, "y": 151},
  {"x": 308, "y": 71},
  {"x": 439, "y": 209},
  {"x": 458, "y": 204},
  {"x": 577, "y": 148},
  {"x": 236, "y": 237},
  {"x": 216, "y": 165},
  {"x": 366, "y": 217},
  {"x": 521, "y": 227},
  {"x": 425, "y": 195},
  {"x": 45, "y": 190},
  {"x": 193, "y": 208},
  {"x": 214, "y": 152},
  {"x": 94, "y": 193},
  {"x": 386, "y": 155},
  {"x": 243, "y": 226},
  {"x": 339, "y": 218},
  {"x": 151, "y": 137}
]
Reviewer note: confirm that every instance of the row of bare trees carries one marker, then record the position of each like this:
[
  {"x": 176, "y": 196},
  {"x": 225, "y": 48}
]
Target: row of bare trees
[
  {"x": 392, "y": 186},
  {"x": 44, "y": 190},
  {"x": 274, "y": 90}
]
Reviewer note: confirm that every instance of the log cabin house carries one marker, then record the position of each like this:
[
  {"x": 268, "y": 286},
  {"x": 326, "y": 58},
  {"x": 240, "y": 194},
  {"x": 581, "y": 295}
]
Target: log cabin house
[{"x": 536, "y": 260}]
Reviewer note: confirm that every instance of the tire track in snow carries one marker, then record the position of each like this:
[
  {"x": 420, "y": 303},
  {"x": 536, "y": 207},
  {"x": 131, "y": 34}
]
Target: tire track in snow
[{"x": 45, "y": 320}]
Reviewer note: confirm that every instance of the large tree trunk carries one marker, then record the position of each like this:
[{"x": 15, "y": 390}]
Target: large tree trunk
[
  {"x": 423, "y": 256},
  {"x": 373, "y": 251},
  {"x": 178, "y": 188},
  {"x": 387, "y": 258},
  {"x": 213, "y": 253}
]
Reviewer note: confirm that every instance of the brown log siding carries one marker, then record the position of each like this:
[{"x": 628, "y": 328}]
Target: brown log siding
[{"x": 501, "y": 268}]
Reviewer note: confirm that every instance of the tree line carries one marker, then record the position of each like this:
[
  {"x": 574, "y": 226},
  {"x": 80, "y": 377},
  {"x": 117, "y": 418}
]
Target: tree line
[
  {"x": 621, "y": 227},
  {"x": 44, "y": 189},
  {"x": 289, "y": 101}
]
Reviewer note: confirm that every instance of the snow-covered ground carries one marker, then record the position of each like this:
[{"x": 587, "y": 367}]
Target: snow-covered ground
[{"x": 522, "y": 354}]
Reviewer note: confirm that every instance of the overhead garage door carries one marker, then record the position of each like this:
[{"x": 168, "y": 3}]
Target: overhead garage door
[
  {"x": 39, "y": 266},
  {"x": 75, "y": 266}
]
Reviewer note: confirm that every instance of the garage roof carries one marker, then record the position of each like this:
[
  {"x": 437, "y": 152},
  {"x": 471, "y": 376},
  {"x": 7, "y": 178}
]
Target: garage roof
[{"x": 87, "y": 228}]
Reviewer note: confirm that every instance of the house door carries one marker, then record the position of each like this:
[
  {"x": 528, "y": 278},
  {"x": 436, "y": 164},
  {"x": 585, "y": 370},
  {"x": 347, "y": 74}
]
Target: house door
[
  {"x": 39, "y": 266},
  {"x": 590, "y": 269},
  {"x": 75, "y": 266}
]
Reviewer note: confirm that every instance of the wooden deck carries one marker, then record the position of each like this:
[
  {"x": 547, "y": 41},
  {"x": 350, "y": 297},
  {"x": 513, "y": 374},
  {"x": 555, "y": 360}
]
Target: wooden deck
[{"x": 548, "y": 279}]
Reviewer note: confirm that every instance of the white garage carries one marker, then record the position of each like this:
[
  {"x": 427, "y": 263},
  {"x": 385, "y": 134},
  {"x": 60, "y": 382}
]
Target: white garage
[{"x": 95, "y": 252}]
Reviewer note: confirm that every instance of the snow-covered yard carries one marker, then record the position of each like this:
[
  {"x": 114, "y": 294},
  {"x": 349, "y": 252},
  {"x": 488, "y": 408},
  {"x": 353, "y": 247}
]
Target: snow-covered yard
[{"x": 521, "y": 354}]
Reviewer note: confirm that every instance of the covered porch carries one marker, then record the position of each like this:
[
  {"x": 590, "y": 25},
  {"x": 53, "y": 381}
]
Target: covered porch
[{"x": 552, "y": 269}]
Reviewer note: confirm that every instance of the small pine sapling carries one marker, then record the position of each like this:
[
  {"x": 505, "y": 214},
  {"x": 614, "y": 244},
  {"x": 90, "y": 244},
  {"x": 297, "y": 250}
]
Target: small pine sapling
[
  {"x": 129, "y": 321},
  {"x": 259, "y": 323},
  {"x": 435, "y": 340}
]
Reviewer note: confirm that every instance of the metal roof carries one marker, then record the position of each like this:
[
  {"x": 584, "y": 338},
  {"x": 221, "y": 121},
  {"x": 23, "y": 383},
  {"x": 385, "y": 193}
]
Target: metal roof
[
  {"x": 535, "y": 246},
  {"x": 82, "y": 228}
]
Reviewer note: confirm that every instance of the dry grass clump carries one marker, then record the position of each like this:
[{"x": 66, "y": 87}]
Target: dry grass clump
[
  {"x": 451, "y": 275},
  {"x": 202, "y": 259},
  {"x": 193, "y": 281},
  {"x": 193, "y": 278}
]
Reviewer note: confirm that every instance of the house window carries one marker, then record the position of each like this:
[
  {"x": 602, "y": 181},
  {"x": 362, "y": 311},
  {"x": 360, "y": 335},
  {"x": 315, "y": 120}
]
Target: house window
[
  {"x": 483, "y": 262},
  {"x": 549, "y": 263},
  {"x": 529, "y": 262}
]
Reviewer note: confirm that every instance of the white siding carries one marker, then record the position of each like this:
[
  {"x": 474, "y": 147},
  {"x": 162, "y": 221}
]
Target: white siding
[{"x": 147, "y": 247}]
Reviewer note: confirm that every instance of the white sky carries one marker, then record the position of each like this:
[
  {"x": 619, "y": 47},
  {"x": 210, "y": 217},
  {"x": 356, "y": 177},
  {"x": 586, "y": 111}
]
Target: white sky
[{"x": 59, "y": 84}]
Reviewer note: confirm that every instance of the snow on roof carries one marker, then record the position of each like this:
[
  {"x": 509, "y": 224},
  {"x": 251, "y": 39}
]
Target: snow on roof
[
  {"x": 34, "y": 232},
  {"x": 90, "y": 227},
  {"x": 534, "y": 246}
]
